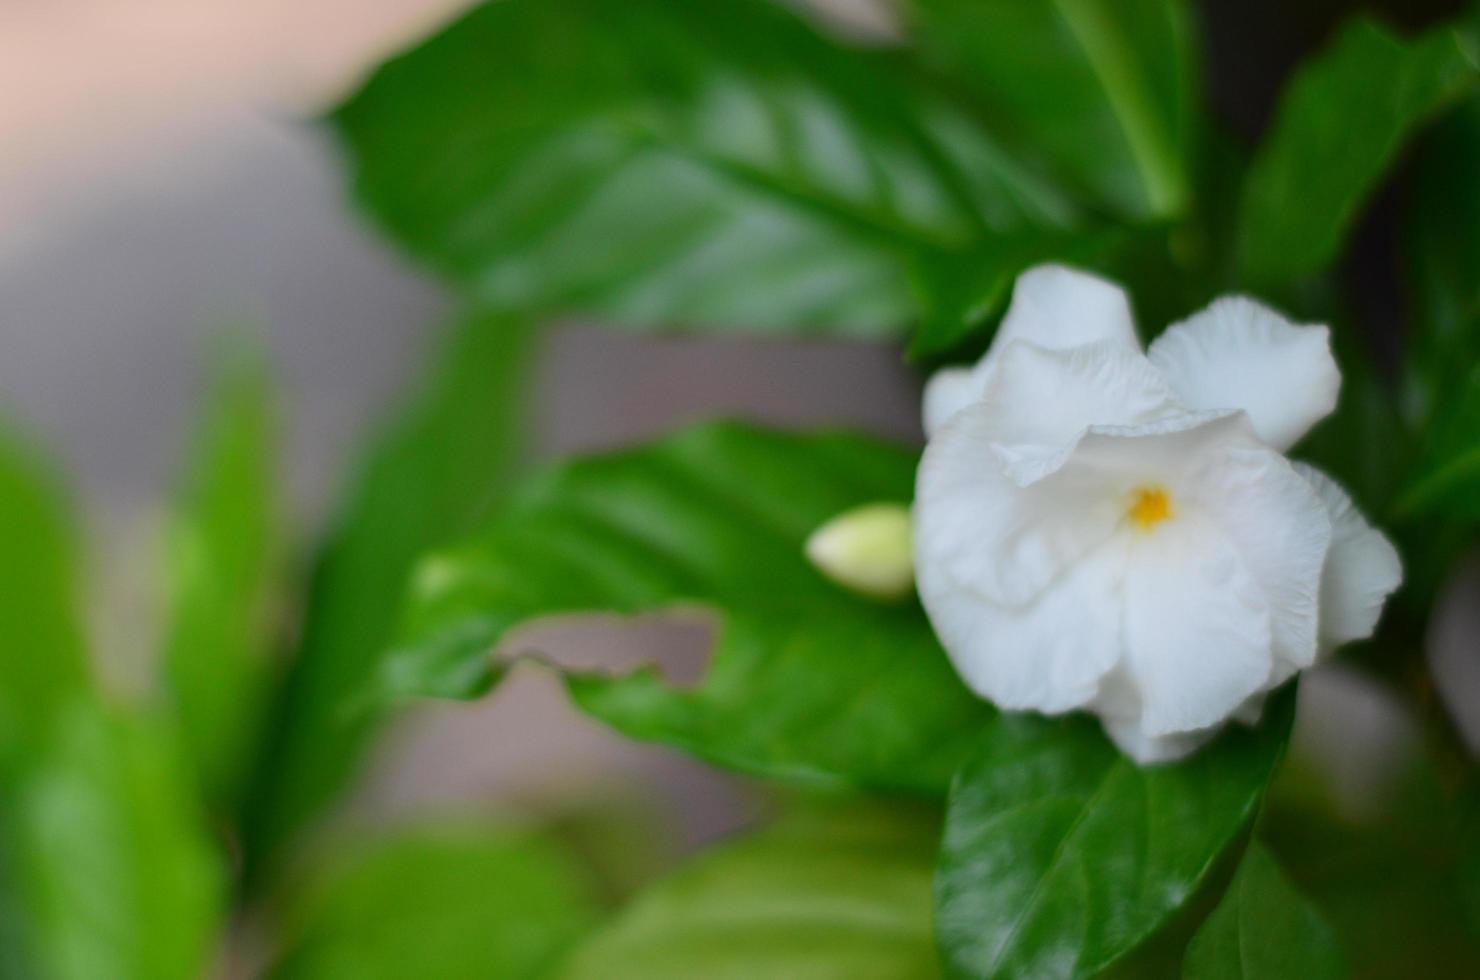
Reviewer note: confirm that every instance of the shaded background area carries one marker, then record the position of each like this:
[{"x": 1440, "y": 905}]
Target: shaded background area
[{"x": 159, "y": 181}]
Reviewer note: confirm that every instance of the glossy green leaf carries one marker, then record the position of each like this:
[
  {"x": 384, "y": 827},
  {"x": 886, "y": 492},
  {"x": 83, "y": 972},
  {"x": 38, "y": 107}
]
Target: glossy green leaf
[
  {"x": 807, "y": 682},
  {"x": 453, "y": 903},
  {"x": 222, "y": 542},
  {"x": 427, "y": 479},
  {"x": 821, "y": 897},
  {"x": 41, "y": 657},
  {"x": 1263, "y": 929},
  {"x": 1101, "y": 90},
  {"x": 114, "y": 870},
  {"x": 706, "y": 163},
  {"x": 1061, "y": 855},
  {"x": 1338, "y": 129}
]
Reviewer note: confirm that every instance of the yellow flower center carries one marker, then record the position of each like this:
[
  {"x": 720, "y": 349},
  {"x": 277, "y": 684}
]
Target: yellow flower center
[{"x": 1149, "y": 507}]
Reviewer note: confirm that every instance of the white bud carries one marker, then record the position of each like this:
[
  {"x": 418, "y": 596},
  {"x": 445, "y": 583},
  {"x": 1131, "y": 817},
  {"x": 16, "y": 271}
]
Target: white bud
[{"x": 868, "y": 550}]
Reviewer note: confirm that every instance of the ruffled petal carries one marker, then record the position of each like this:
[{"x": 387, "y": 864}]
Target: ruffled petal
[
  {"x": 993, "y": 537},
  {"x": 1057, "y": 307},
  {"x": 1282, "y": 534},
  {"x": 1047, "y": 656},
  {"x": 1151, "y": 750},
  {"x": 1239, "y": 354},
  {"x": 1362, "y": 568},
  {"x": 1052, "y": 306},
  {"x": 1197, "y": 627},
  {"x": 1038, "y": 396}
]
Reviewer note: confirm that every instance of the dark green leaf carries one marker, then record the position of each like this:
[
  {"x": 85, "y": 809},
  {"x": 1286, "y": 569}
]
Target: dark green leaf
[
  {"x": 807, "y": 681},
  {"x": 816, "y": 898},
  {"x": 222, "y": 543},
  {"x": 441, "y": 904},
  {"x": 1338, "y": 128},
  {"x": 1442, "y": 259},
  {"x": 1263, "y": 929},
  {"x": 428, "y": 479},
  {"x": 1061, "y": 855},
  {"x": 1101, "y": 89},
  {"x": 113, "y": 868},
  {"x": 41, "y": 656},
  {"x": 712, "y": 162},
  {"x": 1447, "y": 479}
]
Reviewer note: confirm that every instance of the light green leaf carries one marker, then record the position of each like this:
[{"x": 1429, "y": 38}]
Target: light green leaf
[
  {"x": 427, "y": 479},
  {"x": 814, "y": 898},
  {"x": 452, "y": 903},
  {"x": 1061, "y": 855},
  {"x": 1263, "y": 929},
  {"x": 222, "y": 542},
  {"x": 113, "y": 869},
  {"x": 1338, "y": 129},
  {"x": 41, "y": 657},
  {"x": 706, "y": 163},
  {"x": 1102, "y": 90},
  {"x": 807, "y": 682}
]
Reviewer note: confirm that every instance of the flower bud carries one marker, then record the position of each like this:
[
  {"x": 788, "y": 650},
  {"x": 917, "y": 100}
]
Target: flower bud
[{"x": 868, "y": 550}]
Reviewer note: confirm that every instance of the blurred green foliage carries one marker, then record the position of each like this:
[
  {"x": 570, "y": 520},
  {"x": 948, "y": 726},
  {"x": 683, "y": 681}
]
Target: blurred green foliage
[{"x": 734, "y": 166}]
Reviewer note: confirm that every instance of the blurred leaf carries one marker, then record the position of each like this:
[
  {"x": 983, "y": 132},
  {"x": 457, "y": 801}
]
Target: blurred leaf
[
  {"x": 440, "y": 904},
  {"x": 42, "y": 659},
  {"x": 813, "y": 898},
  {"x": 222, "y": 544},
  {"x": 1447, "y": 481},
  {"x": 808, "y": 681},
  {"x": 1263, "y": 930},
  {"x": 115, "y": 873},
  {"x": 1339, "y": 126},
  {"x": 107, "y": 870},
  {"x": 1364, "y": 444},
  {"x": 427, "y": 479},
  {"x": 706, "y": 163},
  {"x": 1441, "y": 251},
  {"x": 1103, "y": 90},
  {"x": 1061, "y": 855}
]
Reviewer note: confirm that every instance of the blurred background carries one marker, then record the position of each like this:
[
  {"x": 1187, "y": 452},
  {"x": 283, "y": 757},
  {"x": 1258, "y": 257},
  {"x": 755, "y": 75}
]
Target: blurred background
[{"x": 162, "y": 180}]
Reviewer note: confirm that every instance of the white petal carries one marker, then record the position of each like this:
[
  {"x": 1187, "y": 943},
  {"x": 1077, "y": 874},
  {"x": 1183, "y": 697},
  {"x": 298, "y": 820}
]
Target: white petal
[
  {"x": 1004, "y": 541},
  {"x": 1048, "y": 656},
  {"x": 948, "y": 391},
  {"x": 1052, "y": 306},
  {"x": 1150, "y": 750},
  {"x": 1057, "y": 307},
  {"x": 1042, "y": 397},
  {"x": 1239, "y": 354},
  {"x": 1362, "y": 568},
  {"x": 1197, "y": 629},
  {"x": 1282, "y": 534}
]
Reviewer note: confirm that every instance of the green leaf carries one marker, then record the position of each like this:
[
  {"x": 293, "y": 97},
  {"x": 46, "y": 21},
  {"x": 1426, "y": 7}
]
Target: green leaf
[
  {"x": 706, "y": 163},
  {"x": 1441, "y": 251},
  {"x": 1061, "y": 855},
  {"x": 1337, "y": 130},
  {"x": 816, "y": 898},
  {"x": 1447, "y": 478},
  {"x": 1102, "y": 90},
  {"x": 450, "y": 903},
  {"x": 222, "y": 543},
  {"x": 114, "y": 873},
  {"x": 808, "y": 682},
  {"x": 1263, "y": 929},
  {"x": 42, "y": 659},
  {"x": 426, "y": 480}
]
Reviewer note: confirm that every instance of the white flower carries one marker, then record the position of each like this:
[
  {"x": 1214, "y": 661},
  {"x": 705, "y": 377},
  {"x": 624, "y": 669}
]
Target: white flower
[{"x": 1104, "y": 529}]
